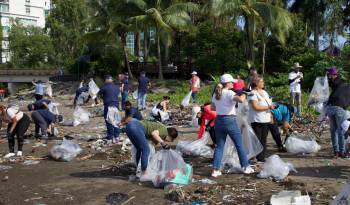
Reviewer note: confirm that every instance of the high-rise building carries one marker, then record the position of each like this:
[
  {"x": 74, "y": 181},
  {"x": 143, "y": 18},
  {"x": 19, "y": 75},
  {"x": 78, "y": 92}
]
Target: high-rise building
[{"x": 28, "y": 12}]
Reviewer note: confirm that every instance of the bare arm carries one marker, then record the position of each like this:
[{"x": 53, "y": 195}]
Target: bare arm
[
  {"x": 156, "y": 137},
  {"x": 258, "y": 107}
]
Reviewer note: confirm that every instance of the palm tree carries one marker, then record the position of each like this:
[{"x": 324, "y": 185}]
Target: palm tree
[{"x": 166, "y": 16}]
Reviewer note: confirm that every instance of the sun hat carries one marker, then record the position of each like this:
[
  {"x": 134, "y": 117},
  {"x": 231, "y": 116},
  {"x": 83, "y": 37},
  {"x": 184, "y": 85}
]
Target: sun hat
[{"x": 297, "y": 65}]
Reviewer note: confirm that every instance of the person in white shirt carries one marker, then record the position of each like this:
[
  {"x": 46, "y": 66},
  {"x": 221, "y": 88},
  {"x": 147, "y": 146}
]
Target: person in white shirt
[
  {"x": 260, "y": 117},
  {"x": 295, "y": 79},
  {"x": 18, "y": 123},
  {"x": 224, "y": 103}
]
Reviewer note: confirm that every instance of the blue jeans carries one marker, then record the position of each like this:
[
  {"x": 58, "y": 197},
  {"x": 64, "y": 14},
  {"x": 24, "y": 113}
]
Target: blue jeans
[
  {"x": 336, "y": 116},
  {"x": 226, "y": 125},
  {"x": 112, "y": 132},
  {"x": 295, "y": 100},
  {"x": 137, "y": 135},
  {"x": 141, "y": 100},
  {"x": 124, "y": 99},
  {"x": 194, "y": 97}
]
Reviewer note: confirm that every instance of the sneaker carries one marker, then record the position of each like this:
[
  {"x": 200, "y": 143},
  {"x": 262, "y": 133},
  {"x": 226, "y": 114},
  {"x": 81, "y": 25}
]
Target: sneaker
[
  {"x": 345, "y": 155},
  {"x": 19, "y": 154},
  {"x": 11, "y": 154},
  {"x": 216, "y": 173},
  {"x": 248, "y": 170}
]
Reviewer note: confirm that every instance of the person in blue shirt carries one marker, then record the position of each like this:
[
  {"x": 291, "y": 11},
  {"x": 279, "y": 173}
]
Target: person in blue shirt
[
  {"x": 39, "y": 105},
  {"x": 144, "y": 84},
  {"x": 39, "y": 90},
  {"x": 124, "y": 79},
  {"x": 131, "y": 111},
  {"x": 109, "y": 93},
  {"x": 44, "y": 120},
  {"x": 78, "y": 92},
  {"x": 282, "y": 116}
]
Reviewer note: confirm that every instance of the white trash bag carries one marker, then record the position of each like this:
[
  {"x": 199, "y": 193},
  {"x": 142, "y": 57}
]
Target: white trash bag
[
  {"x": 82, "y": 98},
  {"x": 163, "y": 167},
  {"x": 133, "y": 157},
  {"x": 80, "y": 116},
  {"x": 194, "y": 122},
  {"x": 53, "y": 107},
  {"x": 113, "y": 116},
  {"x": 296, "y": 145},
  {"x": 186, "y": 101},
  {"x": 319, "y": 94},
  {"x": 48, "y": 89},
  {"x": 135, "y": 94},
  {"x": 196, "y": 148},
  {"x": 93, "y": 89},
  {"x": 66, "y": 151},
  {"x": 275, "y": 167}
]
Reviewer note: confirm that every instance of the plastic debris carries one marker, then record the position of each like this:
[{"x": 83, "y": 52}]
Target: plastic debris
[
  {"x": 117, "y": 198},
  {"x": 197, "y": 147},
  {"x": 4, "y": 167},
  {"x": 31, "y": 162},
  {"x": 186, "y": 101},
  {"x": 290, "y": 198},
  {"x": 67, "y": 151},
  {"x": 93, "y": 89},
  {"x": 207, "y": 181},
  {"x": 135, "y": 94},
  {"x": 319, "y": 94},
  {"x": 80, "y": 116},
  {"x": 276, "y": 168},
  {"x": 296, "y": 145}
]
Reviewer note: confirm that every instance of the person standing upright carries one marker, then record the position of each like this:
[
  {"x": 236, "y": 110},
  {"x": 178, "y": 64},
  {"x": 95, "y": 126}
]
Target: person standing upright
[
  {"x": 39, "y": 90},
  {"x": 195, "y": 86},
  {"x": 295, "y": 79},
  {"x": 144, "y": 84},
  {"x": 124, "y": 79},
  {"x": 110, "y": 93}
]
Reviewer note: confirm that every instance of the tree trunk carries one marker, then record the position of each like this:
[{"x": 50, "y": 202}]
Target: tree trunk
[
  {"x": 263, "y": 55},
  {"x": 249, "y": 28},
  {"x": 159, "y": 57},
  {"x": 137, "y": 45},
  {"x": 126, "y": 57},
  {"x": 145, "y": 45},
  {"x": 166, "y": 57}
]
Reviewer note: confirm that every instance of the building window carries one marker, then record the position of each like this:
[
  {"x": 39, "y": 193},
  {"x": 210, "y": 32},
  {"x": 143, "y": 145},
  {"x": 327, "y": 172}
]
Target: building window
[
  {"x": 130, "y": 42},
  {"x": 27, "y": 1},
  {"x": 27, "y": 10},
  {"x": 4, "y": 8}
]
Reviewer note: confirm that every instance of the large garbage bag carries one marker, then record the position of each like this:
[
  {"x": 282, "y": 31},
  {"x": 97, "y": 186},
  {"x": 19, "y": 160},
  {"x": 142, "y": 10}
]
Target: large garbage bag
[
  {"x": 195, "y": 110},
  {"x": 319, "y": 94},
  {"x": 66, "y": 151},
  {"x": 196, "y": 148},
  {"x": 164, "y": 116},
  {"x": 48, "y": 90},
  {"x": 186, "y": 101},
  {"x": 93, "y": 89},
  {"x": 113, "y": 116},
  {"x": 53, "y": 107},
  {"x": 167, "y": 167},
  {"x": 133, "y": 157},
  {"x": 296, "y": 145},
  {"x": 135, "y": 94},
  {"x": 80, "y": 116},
  {"x": 275, "y": 167},
  {"x": 82, "y": 98}
]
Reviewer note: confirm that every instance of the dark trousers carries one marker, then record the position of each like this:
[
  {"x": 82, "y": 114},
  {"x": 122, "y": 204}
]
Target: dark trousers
[
  {"x": 38, "y": 97},
  {"x": 276, "y": 135},
  {"x": 212, "y": 134},
  {"x": 40, "y": 123},
  {"x": 261, "y": 130},
  {"x": 112, "y": 132},
  {"x": 19, "y": 131}
]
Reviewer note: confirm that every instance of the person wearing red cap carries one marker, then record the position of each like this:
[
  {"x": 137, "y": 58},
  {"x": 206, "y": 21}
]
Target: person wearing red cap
[{"x": 337, "y": 104}]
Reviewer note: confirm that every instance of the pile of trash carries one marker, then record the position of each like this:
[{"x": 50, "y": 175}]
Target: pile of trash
[
  {"x": 66, "y": 151},
  {"x": 276, "y": 168},
  {"x": 196, "y": 148}
]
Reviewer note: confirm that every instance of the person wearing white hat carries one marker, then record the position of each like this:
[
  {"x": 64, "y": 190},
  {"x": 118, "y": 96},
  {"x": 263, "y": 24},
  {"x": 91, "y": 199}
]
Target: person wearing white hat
[
  {"x": 224, "y": 103},
  {"x": 295, "y": 79},
  {"x": 195, "y": 86}
]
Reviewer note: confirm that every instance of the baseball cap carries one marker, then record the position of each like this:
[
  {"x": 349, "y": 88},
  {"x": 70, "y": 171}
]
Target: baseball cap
[
  {"x": 332, "y": 71},
  {"x": 227, "y": 78}
]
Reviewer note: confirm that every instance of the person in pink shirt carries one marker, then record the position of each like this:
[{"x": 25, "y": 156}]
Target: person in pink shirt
[
  {"x": 206, "y": 118},
  {"x": 195, "y": 86},
  {"x": 238, "y": 86}
]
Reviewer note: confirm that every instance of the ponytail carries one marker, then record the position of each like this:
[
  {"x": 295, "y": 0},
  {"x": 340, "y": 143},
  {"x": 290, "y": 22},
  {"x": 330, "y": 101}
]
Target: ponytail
[{"x": 218, "y": 91}]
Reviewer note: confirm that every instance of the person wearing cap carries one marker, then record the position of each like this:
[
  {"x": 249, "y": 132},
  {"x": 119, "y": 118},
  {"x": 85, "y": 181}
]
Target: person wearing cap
[
  {"x": 39, "y": 89},
  {"x": 18, "y": 124},
  {"x": 295, "y": 79},
  {"x": 195, "y": 86},
  {"x": 260, "y": 106},
  {"x": 44, "y": 120},
  {"x": 110, "y": 92},
  {"x": 282, "y": 116},
  {"x": 224, "y": 103},
  {"x": 338, "y": 102},
  {"x": 39, "y": 105},
  {"x": 144, "y": 84},
  {"x": 124, "y": 80}
]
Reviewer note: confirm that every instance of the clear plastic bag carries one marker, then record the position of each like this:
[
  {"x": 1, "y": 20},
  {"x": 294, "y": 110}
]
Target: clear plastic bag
[
  {"x": 275, "y": 167},
  {"x": 80, "y": 116},
  {"x": 196, "y": 148},
  {"x": 93, "y": 89},
  {"x": 48, "y": 90},
  {"x": 164, "y": 167},
  {"x": 296, "y": 145},
  {"x": 82, "y": 98},
  {"x": 186, "y": 101},
  {"x": 113, "y": 116},
  {"x": 135, "y": 94},
  {"x": 319, "y": 94},
  {"x": 194, "y": 122},
  {"x": 66, "y": 151},
  {"x": 53, "y": 107},
  {"x": 133, "y": 157}
]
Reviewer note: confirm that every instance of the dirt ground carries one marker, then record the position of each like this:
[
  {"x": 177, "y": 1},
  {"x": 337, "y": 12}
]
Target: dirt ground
[{"x": 93, "y": 175}]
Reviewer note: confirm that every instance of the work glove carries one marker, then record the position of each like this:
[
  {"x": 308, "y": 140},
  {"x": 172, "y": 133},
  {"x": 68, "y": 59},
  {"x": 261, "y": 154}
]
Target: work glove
[{"x": 164, "y": 145}]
